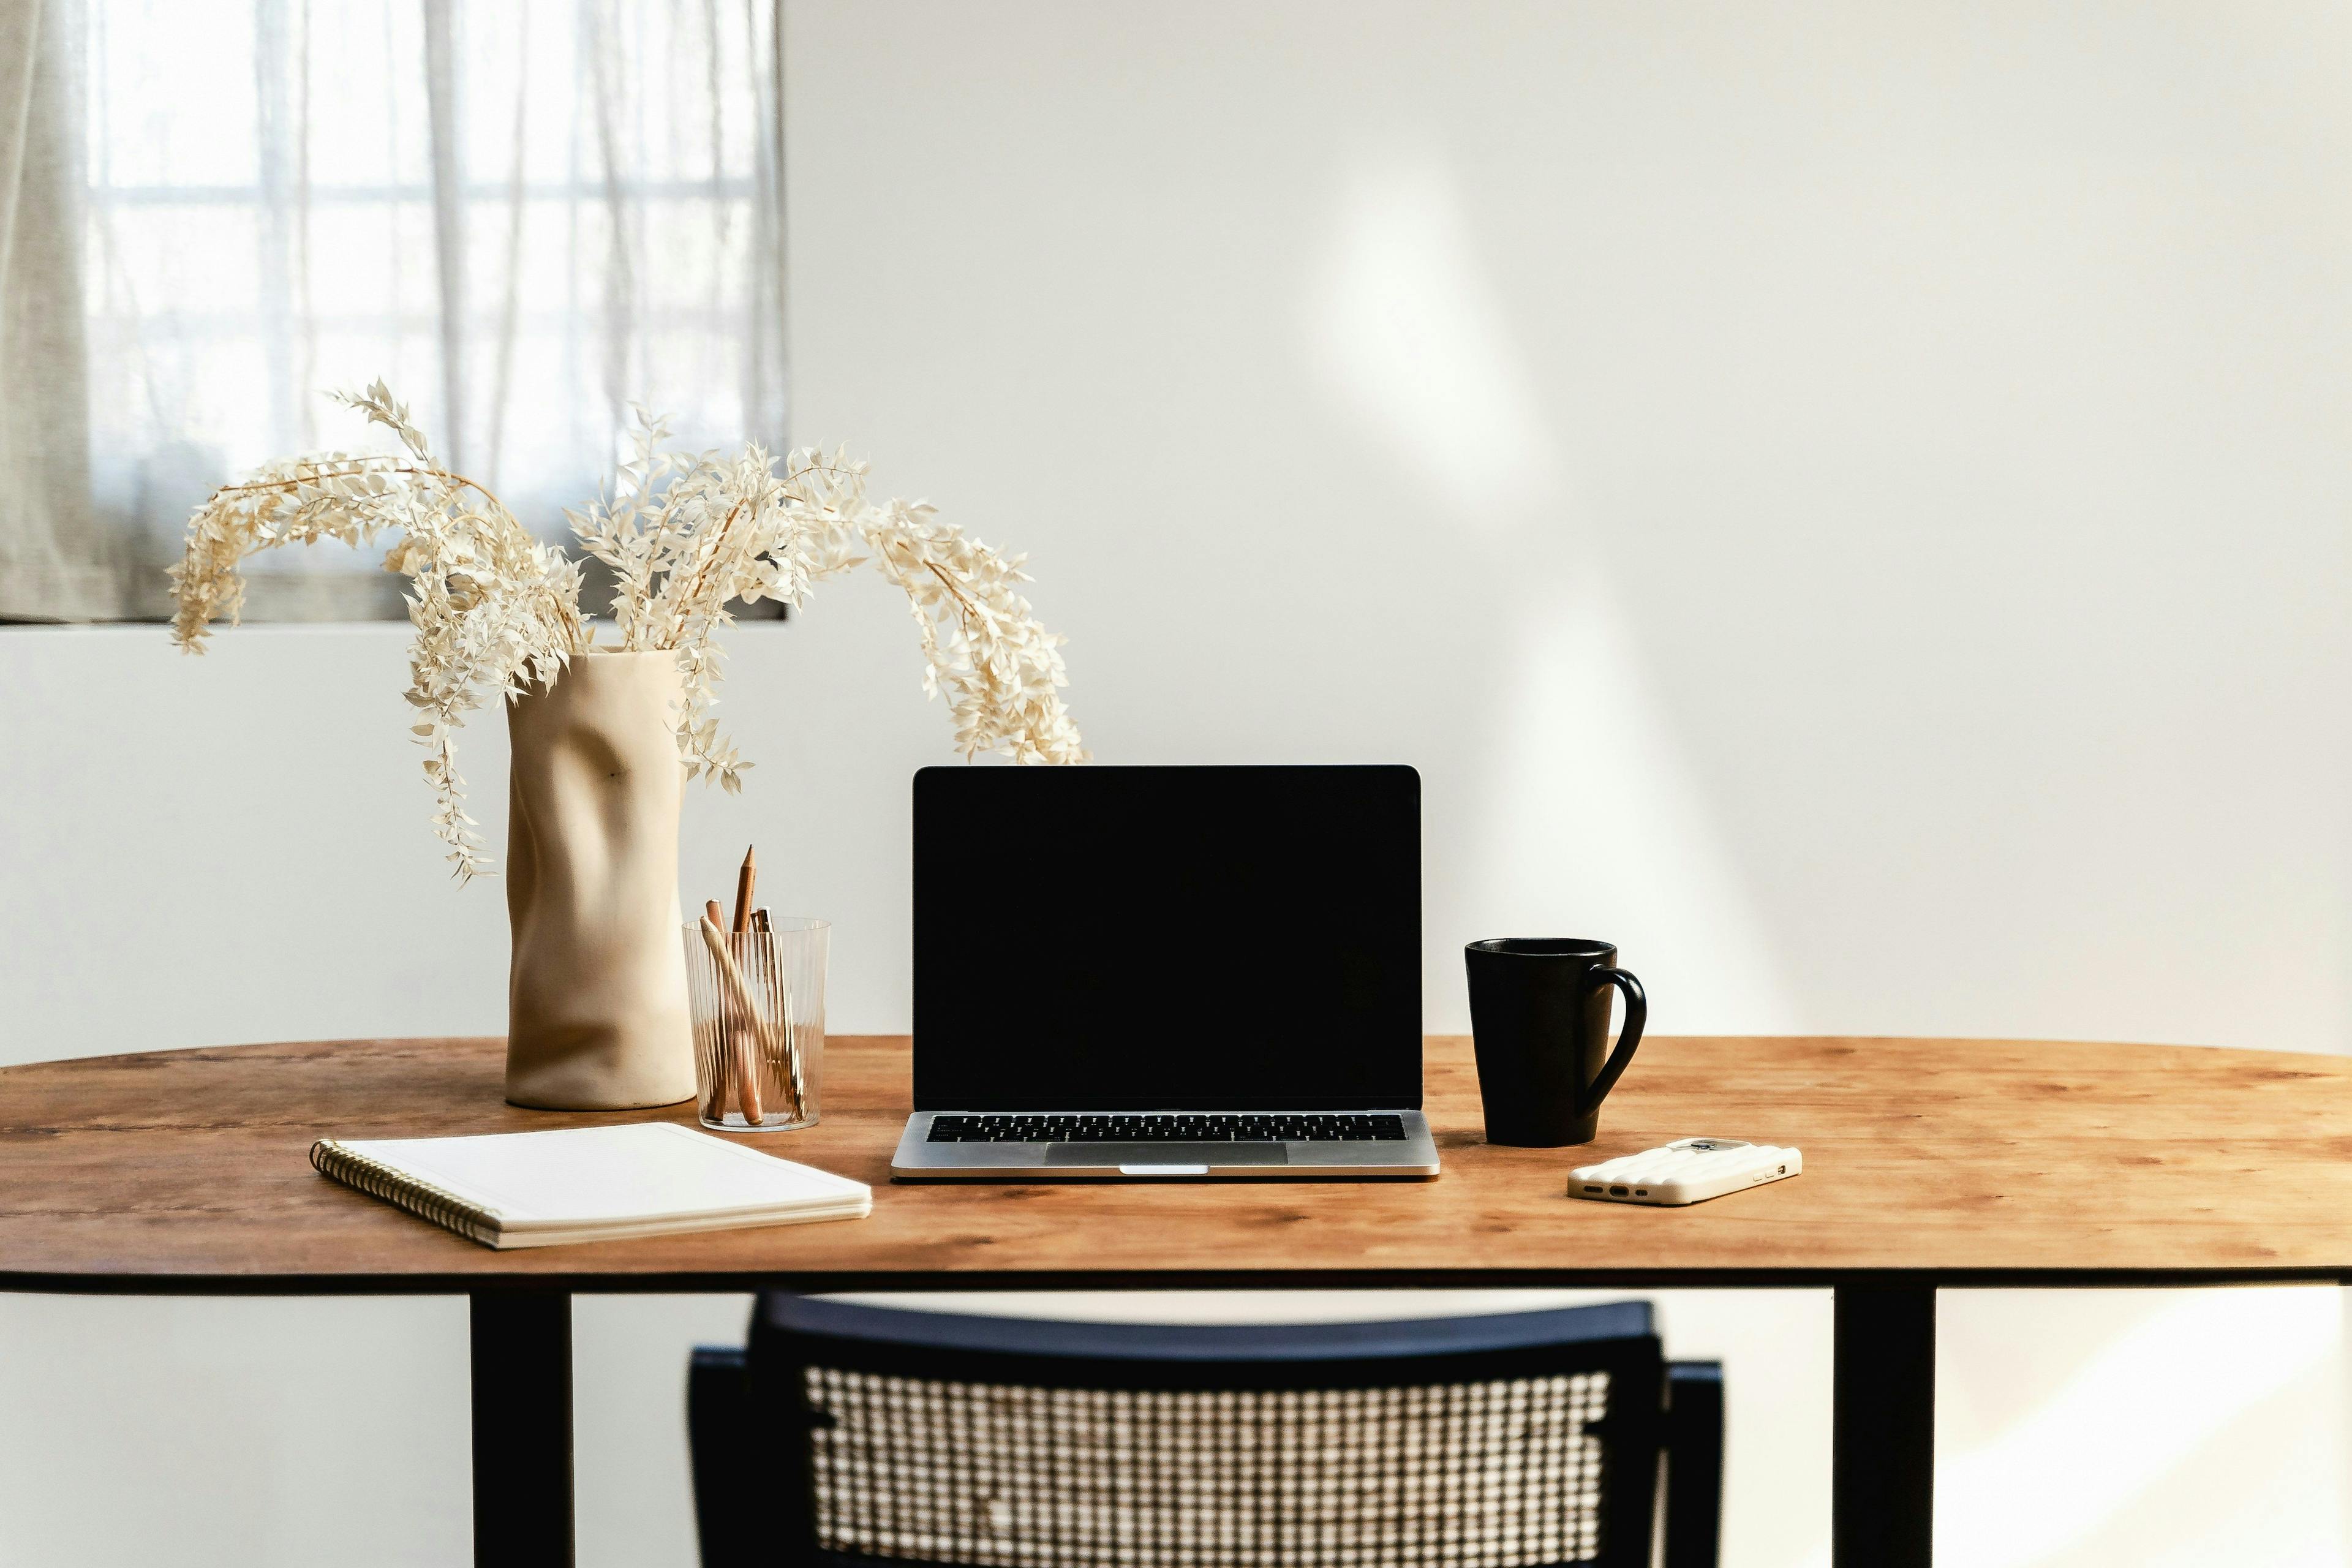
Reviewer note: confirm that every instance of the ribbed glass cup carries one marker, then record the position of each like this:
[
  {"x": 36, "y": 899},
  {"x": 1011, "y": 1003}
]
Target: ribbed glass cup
[{"x": 758, "y": 1023}]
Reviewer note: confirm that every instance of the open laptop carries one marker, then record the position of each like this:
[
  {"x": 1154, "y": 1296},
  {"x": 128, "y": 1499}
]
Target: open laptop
[{"x": 1167, "y": 972}]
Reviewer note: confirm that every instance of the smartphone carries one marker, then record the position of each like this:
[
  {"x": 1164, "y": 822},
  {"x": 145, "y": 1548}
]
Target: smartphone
[{"x": 1690, "y": 1171}]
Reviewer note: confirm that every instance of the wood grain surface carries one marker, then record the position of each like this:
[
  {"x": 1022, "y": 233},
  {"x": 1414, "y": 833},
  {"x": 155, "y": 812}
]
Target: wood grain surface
[{"x": 1954, "y": 1160}]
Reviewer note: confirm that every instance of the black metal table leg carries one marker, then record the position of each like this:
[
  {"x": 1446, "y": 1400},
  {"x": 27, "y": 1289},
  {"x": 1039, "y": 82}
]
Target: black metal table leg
[
  {"x": 1882, "y": 1448},
  {"x": 522, "y": 1428}
]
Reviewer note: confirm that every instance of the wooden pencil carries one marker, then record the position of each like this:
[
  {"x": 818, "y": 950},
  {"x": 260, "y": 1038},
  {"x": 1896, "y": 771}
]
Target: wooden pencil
[
  {"x": 744, "y": 881},
  {"x": 722, "y": 1080},
  {"x": 745, "y": 1044}
]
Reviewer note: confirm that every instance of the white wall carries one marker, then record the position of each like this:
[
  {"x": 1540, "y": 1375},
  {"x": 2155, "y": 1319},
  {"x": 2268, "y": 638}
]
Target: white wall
[{"x": 1847, "y": 501}]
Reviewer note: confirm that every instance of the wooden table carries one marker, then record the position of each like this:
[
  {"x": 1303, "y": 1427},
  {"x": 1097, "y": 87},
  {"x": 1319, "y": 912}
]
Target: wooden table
[{"x": 1929, "y": 1163}]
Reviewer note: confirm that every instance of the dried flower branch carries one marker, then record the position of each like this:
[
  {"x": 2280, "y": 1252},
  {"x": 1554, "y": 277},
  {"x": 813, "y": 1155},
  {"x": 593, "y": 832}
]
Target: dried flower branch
[
  {"x": 1001, "y": 670},
  {"x": 496, "y": 612},
  {"x": 713, "y": 532}
]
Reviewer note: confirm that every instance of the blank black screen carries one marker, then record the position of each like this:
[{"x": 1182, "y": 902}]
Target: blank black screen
[{"x": 1141, "y": 938}]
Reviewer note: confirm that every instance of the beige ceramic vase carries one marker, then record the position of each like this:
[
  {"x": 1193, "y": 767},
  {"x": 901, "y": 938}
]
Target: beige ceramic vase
[{"x": 597, "y": 1008}]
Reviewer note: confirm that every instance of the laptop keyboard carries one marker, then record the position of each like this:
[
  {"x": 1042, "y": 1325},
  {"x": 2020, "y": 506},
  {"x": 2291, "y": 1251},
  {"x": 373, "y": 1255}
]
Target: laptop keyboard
[{"x": 1238, "y": 1127}]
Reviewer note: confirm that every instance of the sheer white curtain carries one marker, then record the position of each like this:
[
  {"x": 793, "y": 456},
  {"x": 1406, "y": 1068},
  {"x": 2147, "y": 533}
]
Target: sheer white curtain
[{"x": 525, "y": 215}]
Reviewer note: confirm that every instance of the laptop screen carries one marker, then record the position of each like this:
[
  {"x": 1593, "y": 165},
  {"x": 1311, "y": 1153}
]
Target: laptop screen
[{"x": 1166, "y": 938}]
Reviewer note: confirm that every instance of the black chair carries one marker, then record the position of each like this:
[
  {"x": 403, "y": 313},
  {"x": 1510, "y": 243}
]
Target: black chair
[{"x": 847, "y": 1434}]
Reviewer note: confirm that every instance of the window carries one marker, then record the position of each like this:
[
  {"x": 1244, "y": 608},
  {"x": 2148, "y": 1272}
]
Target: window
[{"x": 525, "y": 216}]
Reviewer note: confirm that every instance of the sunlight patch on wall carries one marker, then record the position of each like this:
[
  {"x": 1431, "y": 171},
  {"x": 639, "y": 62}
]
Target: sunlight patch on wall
[
  {"x": 1593, "y": 825},
  {"x": 2132, "y": 1433},
  {"x": 1590, "y": 816},
  {"x": 1405, "y": 330}
]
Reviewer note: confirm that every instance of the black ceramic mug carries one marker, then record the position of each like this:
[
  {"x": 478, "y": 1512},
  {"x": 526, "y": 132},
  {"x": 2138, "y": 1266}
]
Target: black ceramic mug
[{"x": 1540, "y": 1019}]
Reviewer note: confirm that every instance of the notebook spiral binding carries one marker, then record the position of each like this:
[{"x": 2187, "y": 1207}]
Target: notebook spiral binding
[{"x": 423, "y": 1199}]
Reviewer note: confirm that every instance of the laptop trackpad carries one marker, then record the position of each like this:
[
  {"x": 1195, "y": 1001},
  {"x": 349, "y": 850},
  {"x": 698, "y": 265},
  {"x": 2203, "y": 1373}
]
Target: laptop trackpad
[{"x": 1167, "y": 1154}]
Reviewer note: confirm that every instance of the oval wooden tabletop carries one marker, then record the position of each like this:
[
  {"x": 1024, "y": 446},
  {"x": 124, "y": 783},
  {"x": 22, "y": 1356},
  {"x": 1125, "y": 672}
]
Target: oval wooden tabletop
[{"x": 1959, "y": 1160}]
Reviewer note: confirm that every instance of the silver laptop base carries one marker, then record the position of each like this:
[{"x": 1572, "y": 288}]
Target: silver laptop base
[{"x": 921, "y": 1160}]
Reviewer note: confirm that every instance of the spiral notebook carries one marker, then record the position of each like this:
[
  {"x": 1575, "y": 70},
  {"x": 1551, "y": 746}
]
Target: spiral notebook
[{"x": 589, "y": 1184}]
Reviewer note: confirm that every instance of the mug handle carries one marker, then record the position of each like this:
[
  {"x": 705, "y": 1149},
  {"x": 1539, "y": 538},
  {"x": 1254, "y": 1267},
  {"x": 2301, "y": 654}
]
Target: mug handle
[{"x": 1637, "y": 1013}]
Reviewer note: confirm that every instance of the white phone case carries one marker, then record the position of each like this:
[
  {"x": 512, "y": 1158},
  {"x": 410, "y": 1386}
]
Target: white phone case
[{"x": 1689, "y": 1171}]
